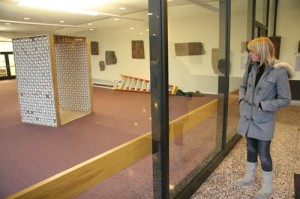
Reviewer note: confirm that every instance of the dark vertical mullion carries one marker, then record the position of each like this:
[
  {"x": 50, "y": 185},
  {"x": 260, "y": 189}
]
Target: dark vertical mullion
[
  {"x": 268, "y": 17},
  {"x": 253, "y": 18},
  {"x": 275, "y": 18},
  {"x": 227, "y": 70},
  {"x": 159, "y": 96},
  {"x": 224, "y": 45},
  {"x": 7, "y": 65}
]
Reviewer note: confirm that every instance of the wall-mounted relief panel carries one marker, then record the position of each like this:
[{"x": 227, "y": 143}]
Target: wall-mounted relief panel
[{"x": 191, "y": 48}]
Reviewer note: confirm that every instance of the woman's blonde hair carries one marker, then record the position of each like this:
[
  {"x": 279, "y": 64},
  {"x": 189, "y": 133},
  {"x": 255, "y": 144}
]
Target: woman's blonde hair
[{"x": 264, "y": 48}]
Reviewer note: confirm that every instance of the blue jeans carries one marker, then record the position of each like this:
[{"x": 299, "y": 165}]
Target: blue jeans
[{"x": 262, "y": 149}]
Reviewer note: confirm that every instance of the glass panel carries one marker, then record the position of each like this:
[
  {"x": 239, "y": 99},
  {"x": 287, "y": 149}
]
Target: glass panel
[
  {"x": 194, "y": 67},
  {"x": 238, "y": 61},
  {"x": 271, "y": 18},
  {"x": 261, "y": 11},
  {"x": 12, "y": 64},
  {"x": 126, "y": 38},
  {"x": 121, "y": 119},
  {"x": 3, "y": 72}
]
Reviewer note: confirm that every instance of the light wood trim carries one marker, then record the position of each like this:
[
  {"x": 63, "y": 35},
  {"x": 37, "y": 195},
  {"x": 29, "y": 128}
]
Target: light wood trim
[
  {"x": 81, "y": 177},
  {"x": 54, "y": 78},
  {"x": 191, "y": 119},
  {"x": 88, "y": 46}
]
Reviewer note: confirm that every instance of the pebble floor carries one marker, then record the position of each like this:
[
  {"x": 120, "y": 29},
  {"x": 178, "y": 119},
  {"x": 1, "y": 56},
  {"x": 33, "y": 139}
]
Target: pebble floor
[{"x": 285, "y": 152}]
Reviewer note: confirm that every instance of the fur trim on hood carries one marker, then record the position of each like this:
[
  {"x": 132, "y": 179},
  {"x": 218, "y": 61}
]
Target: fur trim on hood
[{"x": 287, "y": 66}]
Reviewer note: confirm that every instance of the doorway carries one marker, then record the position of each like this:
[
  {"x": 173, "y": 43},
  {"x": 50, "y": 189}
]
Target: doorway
[{"x": 7, "y": 66}]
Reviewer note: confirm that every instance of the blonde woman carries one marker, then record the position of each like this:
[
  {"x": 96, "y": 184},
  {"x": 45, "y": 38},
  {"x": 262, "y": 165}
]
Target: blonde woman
[{"x": 265, "y": 89}]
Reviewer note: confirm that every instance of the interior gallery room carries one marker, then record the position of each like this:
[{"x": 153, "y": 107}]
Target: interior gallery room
[{"x": 138, "y": 99}]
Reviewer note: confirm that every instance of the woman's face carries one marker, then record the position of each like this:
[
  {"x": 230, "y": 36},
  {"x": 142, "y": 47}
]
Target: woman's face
[{"x": 254, "y": 57}]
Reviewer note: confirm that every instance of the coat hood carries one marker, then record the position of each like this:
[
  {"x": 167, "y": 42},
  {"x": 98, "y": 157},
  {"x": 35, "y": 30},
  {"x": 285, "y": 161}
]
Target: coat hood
[{"x": 289, "y": 68}]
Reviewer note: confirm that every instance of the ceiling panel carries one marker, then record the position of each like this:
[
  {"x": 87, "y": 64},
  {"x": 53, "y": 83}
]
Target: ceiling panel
[{"x": 44, "y": 21}]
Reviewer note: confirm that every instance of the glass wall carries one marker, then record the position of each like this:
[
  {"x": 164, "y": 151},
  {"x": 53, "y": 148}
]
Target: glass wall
[
  {"x": 127, "y": 38},
  {"x": 195, "y": 66},
  {"x": 155, "y": 144}
]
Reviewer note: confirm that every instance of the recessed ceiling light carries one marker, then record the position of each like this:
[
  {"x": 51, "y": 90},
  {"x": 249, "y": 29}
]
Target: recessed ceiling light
[
  {"x": 122, "y": 8},
  {"x": 90, "y": 24},
  {"x": 150, "y": 13},
  {"x": 116, "y": 19},
  {"x": 91, "y": 29},
  {"x": 26, "y": 18},
  {"x": 7, "y": 24},
  {"x": 131, "y": 28},
  {"x": 61, "y": 21},
  {"x": 141, "y": 33}
]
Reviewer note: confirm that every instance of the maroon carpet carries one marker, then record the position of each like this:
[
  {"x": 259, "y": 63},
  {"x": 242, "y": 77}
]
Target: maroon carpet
[{"x": 31, "y": 153}]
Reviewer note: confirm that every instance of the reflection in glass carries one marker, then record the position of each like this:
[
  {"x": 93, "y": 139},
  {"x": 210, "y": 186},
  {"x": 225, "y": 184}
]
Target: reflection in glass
[
  {"x": 193, "y": 111},
  {"x": 260, "y": 11},
  {"x": 126, "y": 114}
]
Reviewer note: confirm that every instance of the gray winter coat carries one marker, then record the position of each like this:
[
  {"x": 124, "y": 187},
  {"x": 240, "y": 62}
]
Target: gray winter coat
[{"x": 272, "y": 92}]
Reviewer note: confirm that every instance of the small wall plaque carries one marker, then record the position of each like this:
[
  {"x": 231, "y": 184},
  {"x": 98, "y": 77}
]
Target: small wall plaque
[
  {"x": 110, "y": 57},
  {"x": 94, "y": 48},
  {"x": 102, "y": 65},
  {"x": 137, "y": 48}
]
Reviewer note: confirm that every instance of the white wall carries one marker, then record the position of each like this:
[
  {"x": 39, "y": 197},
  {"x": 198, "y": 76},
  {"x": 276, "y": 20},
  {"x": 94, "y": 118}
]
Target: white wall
[
  {"x": 288, "y": 28},
  {"x": 118, "y": 39},
  {"x": 189, "y": 73},
  {"x": 189, "y": 23}
]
